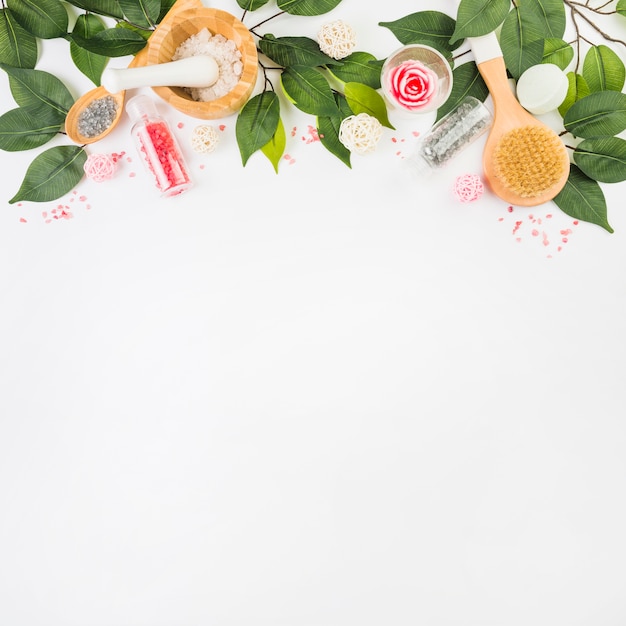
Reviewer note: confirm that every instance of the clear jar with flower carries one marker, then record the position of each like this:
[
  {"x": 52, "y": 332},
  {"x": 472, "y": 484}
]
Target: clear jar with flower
[{"x": 416, "y": 79}]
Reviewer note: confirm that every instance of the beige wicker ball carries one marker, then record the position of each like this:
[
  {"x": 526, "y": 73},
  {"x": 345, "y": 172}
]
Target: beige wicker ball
[{"x": 336, "y": 39}]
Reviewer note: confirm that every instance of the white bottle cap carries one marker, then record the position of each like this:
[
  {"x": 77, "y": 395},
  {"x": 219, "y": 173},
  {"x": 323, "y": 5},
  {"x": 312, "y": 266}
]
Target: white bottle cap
[
  {"x": 416, "y": 165},
  {"x": 141, "y": 106}
]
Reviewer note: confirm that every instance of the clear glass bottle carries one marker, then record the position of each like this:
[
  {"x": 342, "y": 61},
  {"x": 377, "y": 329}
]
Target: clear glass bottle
[
  {"x": 450, "y": 135},
  {"x": 157, "y": 147}
]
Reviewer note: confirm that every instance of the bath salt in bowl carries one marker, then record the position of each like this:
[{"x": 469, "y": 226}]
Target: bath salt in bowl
[
  {"x": 225, "y": 53},
  {"x": 220, "y": 35}
]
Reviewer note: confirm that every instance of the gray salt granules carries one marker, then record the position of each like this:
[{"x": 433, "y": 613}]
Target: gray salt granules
[
  {"x": 97, "y": 117},
  {"x": 454, "y": 132}
]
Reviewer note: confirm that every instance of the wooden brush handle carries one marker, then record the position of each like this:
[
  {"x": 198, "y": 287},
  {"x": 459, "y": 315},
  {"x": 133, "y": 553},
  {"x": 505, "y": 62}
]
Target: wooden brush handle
[
  {"x": 490, "y": 62},
  {"x": 494, "y": 75}
]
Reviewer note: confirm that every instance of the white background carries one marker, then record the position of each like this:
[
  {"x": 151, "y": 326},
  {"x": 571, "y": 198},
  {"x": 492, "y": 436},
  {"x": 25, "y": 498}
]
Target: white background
[{"x": 326, "y": 397}]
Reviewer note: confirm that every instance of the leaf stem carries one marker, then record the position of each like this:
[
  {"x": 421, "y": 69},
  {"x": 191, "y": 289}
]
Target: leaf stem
[
  {"x": 268, "y": 68},
  {"x": 144, "y": 28},
  {"x": 266, "y": 78},
  {"x": 575, "y": 9},
  {"x": 587, "y": 6},
  {"x": 271, "y": 17},
  {"x": 461, "y": 54}
]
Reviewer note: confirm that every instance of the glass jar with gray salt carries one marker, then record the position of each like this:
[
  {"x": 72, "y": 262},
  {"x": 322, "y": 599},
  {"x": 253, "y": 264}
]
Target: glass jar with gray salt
[{"x": 450, "y": 135}]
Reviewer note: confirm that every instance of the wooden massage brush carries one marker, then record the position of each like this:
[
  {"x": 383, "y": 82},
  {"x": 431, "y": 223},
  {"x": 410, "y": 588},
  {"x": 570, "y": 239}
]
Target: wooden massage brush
[{"x": 524, "y": 161}]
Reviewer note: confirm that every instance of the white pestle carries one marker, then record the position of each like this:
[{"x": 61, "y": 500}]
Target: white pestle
[{"x": 195, "y": 71}]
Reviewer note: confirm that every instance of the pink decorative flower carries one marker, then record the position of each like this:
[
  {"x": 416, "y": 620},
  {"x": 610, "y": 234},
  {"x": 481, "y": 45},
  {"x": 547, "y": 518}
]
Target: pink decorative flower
[{"x": 412, "y": 84}]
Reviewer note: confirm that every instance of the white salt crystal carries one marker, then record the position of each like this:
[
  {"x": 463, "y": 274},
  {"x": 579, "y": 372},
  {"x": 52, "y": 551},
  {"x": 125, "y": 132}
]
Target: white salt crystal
[{"x": 225, "y": 53}]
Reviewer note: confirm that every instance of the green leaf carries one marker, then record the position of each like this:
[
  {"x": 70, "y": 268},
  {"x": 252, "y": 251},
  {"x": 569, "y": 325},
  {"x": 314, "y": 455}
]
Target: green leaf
[
  {"x": 308, "y": 90},
  {"x": 557, "y": 52},
  {"x": 577, "y": 90},
  {"x": 46, "y": 19},
  {"x": 603, "y": 159},
  {"x": 328, "y": 130},
  {"x": 110, "y": 8},
  {"x": 26, "y": 128},
  {"x": 601, "y": 114},
  {"x": 166, "y": 5},
  {"x": 431, "y": 28},
  {"x": 359, "y": 67},
  {"x": 257, "y": 123},
  {"x": 17, "y": 46},
  {"x": 479, "y": 17},
  {"x": 621, "y": 7},
  {"x": 90, "y": 64},
  {"x": 141, "y": 12},
  {"x": 364, "y": 99},
  {"x": 551, "y": 15},
  {"x": 521, "y": 41},
  {"x": 35, "y": 87},
  {"x": 307, "y": 7},
  {"x": 52, "y": 174},
  {"x": 466, "y": 81},
  {"x": 582, "y": 199},
  {"x": 111, "y": 42},
  {"x": 343, "y": 106},
  {"x": 145, "y": 33},
  {"x": 251, "y": 5},
  {"x": 275, "y": 147},
  {"x": 603, "y": 69},
  {"x": 288, "y": 51}
]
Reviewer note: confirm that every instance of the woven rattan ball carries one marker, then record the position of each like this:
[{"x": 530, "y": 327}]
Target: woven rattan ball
[
  {"x": 100, "y": 167},
  {"x": 204, "y": 139},
  {"x": 468, "y": 188},
  {"x": 360, "y": 133},
  {"x": 336, "y": 39}
]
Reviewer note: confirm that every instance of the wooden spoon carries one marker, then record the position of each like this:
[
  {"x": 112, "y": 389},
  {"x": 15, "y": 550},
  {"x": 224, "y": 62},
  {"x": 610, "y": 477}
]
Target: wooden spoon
[
  {"x": 140, "y": 59},
  {"x": 524, "y": 160},
  {"x": 73, "y": 116}
]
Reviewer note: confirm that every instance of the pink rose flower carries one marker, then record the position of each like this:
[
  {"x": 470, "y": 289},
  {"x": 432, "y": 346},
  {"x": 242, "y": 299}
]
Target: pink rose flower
[{"x": 412, "y": 84}]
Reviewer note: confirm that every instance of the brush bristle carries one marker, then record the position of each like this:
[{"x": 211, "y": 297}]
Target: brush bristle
[{"x": 529, "y": 160}]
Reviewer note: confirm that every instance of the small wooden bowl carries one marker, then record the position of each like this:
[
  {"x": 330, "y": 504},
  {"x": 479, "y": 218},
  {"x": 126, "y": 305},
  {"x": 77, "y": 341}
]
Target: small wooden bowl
[{"x": 162, "y": 46}]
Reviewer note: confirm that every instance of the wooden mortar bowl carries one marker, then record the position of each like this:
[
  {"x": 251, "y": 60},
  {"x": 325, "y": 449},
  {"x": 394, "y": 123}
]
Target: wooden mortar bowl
[{"x": 163, "y": 43}]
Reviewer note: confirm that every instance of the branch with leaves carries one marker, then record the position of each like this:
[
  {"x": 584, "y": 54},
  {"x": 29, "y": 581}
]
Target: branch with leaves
[
  {"x": 594, "y": 110},
  {"x": 102, "y": 29},
  {"x": 296, "y": 72}
]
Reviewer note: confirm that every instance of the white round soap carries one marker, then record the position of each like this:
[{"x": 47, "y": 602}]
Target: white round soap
[{"x": 542, "y": 88}]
